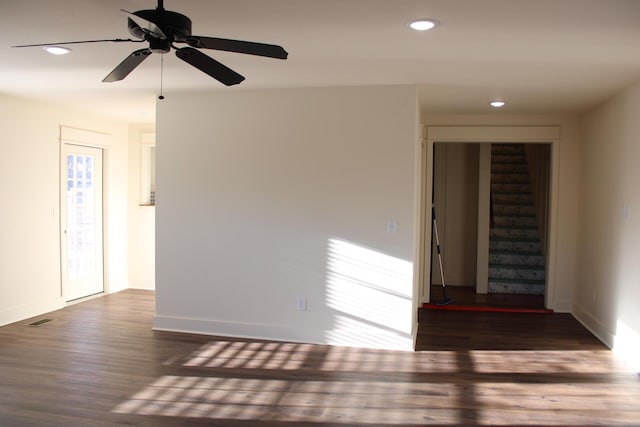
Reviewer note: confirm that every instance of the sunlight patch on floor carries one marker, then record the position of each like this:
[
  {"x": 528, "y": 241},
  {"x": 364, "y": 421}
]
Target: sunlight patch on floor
[
  {"x": 375, "y": 402},
  {"x": 295, "y": 356},
  {"x": 627, "y": 345}
]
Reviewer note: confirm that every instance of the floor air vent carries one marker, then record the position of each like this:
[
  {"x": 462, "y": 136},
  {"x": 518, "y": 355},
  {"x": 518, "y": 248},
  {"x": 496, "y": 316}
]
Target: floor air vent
[{"x": 40, "y": 322}]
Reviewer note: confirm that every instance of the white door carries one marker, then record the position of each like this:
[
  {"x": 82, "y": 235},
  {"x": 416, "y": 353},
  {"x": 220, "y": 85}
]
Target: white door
[{"x": 81, "y": 219}]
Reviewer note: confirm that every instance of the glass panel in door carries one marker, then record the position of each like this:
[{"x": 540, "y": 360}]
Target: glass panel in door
[{"x": 82, "y": 267}]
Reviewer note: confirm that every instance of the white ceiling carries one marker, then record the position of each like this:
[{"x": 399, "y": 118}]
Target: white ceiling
[{"x": 541, "y": 56}]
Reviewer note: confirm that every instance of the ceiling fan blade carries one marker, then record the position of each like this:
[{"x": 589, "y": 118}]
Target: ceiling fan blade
[
  {"x": 128, "y": 65},
  {"x": 79, "y": 42},
  {"x": 239, "y": 46},
  {"x": 146, "y": 25},
  {"x": 210, "y": 66}
]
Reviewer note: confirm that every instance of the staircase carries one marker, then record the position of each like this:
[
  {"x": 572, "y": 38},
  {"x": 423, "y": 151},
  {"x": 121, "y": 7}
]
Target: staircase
[{"x": 516, "y": 263}]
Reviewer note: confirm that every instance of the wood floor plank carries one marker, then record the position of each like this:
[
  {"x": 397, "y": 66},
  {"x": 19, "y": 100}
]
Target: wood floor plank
[{"x": 98, "y": 363}]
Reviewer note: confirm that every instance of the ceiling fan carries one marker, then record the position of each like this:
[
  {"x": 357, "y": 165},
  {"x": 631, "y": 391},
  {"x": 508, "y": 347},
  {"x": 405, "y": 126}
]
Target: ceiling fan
[{"x": 163, "y": 29}]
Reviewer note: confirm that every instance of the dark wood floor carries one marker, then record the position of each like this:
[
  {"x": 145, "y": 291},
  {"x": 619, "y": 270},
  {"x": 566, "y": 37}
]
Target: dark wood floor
[
  {"x": 466, "y": 295},
  {"x": 99, "y": 364}
]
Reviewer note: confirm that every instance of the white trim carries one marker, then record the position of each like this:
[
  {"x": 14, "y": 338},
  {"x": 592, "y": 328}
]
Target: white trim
[
  {"x": 289, "y": 333},
  {"x": 505, "y": 134},
  {"x": 552, "y": 232},
  {"x": 71, "y": 135},
  {"x": 591, "y": 322},
  {"x": 89, "y": 138},
  {"x": 222, "y": 328},
  {"x": 484, "y": 219},
  {"x": 147, "y": 144},
  {"x": 98, "y": 154},
  {"x": 498, "y": 134},
  {"x": 425, "y": 228},
  {"x": 32, "y": 309},
  {"x": 624, "y": 341},
  {"x": 562, "y": 306}
]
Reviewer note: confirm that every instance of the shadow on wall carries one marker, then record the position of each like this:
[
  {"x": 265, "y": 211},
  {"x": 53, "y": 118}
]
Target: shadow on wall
[{"x": 370, "y": 293}]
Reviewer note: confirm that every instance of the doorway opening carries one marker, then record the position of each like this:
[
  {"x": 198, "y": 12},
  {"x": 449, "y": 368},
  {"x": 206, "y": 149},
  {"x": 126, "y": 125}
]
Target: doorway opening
[
  {"x": 494, "y": 195},
  {"x": 518, "y": 210}
]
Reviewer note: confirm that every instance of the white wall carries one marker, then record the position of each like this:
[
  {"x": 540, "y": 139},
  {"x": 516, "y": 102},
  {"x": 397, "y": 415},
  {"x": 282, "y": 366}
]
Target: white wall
[
  {"x": 30, "y": 194},
  {"x": 607, "y": 299},
  {"x": 141, "y": 216},
  {"x": 265, "y": 196},
  {"x": 568, "y": 186}
]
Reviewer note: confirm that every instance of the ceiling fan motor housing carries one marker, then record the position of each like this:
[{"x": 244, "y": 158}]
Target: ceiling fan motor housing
[{"x": 174, "y": 25}]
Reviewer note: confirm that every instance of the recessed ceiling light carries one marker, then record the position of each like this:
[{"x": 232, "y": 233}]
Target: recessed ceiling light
[
  {"x": 497, "y": 104},
  {"x": 423, "y": 24},
  {"x": 57, "y": 50}
]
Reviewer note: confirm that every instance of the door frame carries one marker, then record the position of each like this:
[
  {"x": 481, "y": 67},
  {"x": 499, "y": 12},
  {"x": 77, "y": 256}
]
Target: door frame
[
  {"x": 486, "y": 134},
  {"x": 93, "y": 139},
  {"x": 67, "y": 149}
]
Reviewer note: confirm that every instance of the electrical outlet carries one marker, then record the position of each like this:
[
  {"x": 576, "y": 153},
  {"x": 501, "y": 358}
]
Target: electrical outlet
[{"x": 301, "y": 304}]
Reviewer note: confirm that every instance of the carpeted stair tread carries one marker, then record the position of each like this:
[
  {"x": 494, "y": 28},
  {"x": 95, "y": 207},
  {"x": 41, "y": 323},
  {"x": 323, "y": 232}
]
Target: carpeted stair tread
[
  {"x": 512, "y": 203},
  {"x": 516, "y": 227},
  {"x": 514, "y": 267},
  {"x": 516, "y": 264}
]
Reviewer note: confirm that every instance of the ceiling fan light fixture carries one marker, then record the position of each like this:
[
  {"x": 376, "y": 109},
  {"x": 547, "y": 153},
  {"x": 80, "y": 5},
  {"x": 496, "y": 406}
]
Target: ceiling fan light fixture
[
  {"x": 423, "y": 24},
  {"x": 57, "y": 50},
  {"x": 497, "y": 104}
]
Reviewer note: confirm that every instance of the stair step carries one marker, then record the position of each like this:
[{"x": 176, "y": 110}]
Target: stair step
[
  {"x": 510, "y": 158},
  {"x": 509, "y": 210},
  {"x": 507, "y": 187},
  {"x": 509, "y": 193},
  {"x": 514, "y": 221},
  {"x": 506, "y": 149},
  {"x": 516, "y": 258},
  {"x": 512, "y": 199},
  {"x": 499, "y": 168},
  {"x": 513, "y": 287},
  {"x": 515, "y": 227},
  {"x": 510, "y": 178},
  {"x": 526, "y": 233},
  {"x": 515, "y": 216},
  {"x": 531, "y": 246},
  {"x": 518, "y": 272},
  {"x": 511, "y": 203}
]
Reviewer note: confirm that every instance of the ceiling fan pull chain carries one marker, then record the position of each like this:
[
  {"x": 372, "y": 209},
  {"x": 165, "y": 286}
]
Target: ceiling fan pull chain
[{"x": 161, "y": 97}]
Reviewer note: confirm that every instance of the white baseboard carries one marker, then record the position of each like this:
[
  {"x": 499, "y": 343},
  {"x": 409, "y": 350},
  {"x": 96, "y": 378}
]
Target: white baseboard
[
  {"x": 225, "y": 329},
  {"x": 299, "y": 334},
  {"x": 624, "y": 342},
  {"x": 564, "y": 306},
  {"x": 26, "y": 311},
  {"x": 117, "y": 286},
  {"x": 148, "y": 285},
  {"x": 590, "y": 322}
]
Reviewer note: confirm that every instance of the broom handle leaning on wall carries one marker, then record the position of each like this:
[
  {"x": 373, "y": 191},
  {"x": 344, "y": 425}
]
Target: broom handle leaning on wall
[{"x": 435, "y": 229}]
